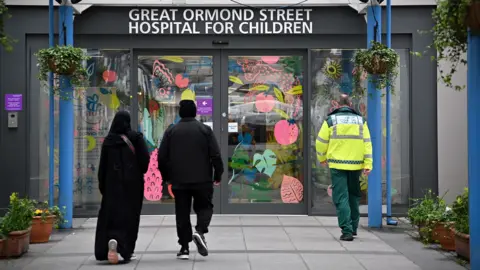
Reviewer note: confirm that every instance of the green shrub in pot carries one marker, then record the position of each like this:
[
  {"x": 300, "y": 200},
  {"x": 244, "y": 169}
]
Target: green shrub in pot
[
  {"x": 460, "y": 212},
  {"x": 19, "y": 215}
]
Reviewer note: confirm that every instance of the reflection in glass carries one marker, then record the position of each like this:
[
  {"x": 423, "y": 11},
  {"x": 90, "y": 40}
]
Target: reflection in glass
[
  {"x": 163, "y": 81},
  {"x": 333, "y": 73},
  {"x": 265, "y": 145},
  {"x": 107, "y": 91}
]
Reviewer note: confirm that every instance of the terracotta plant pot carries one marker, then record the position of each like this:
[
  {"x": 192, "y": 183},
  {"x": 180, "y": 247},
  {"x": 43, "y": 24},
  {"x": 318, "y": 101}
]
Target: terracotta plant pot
[
  {"x": 473, "y": 17},
  {"x": 462, "y": 245},
  {"x": 377, "y": 66},
  {"x": 54, "y": 68},
  {"x": 41, "y": 229},
  {"x": 16, "y": 244},
  {"x": 2, "y": 244},
  {"x": 445, "y": 236}
]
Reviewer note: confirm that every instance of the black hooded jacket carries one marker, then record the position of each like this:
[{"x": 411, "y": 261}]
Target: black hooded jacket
[
  {"x": 189, "y": 152},
  {"x": 116, "y": 153}
]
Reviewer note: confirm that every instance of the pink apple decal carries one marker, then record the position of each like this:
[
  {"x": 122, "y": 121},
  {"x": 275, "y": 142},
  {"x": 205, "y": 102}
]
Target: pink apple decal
[
  {"x": 181, "y": 82},
  {"x": 270, "y": 59},
  {"x": 286, "y": 132},
  {"x": 109, "y": 76},
  {"x": 264, "y": 102}
]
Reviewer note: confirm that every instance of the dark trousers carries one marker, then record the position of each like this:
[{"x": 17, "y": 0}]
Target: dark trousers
[
  {"x": 346, "y": 195},
  {"x": 202, "y": 196}
]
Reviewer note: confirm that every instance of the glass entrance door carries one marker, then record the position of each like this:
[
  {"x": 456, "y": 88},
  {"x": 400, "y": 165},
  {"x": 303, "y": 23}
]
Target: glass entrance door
[
  {"x": 164, "y": 79},
  {"x": 262, "y": 132}
]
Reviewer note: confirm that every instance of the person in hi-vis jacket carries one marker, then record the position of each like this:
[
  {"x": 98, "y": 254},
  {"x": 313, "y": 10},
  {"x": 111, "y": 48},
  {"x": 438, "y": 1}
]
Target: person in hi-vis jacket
[{"x": 344, "y": 144}]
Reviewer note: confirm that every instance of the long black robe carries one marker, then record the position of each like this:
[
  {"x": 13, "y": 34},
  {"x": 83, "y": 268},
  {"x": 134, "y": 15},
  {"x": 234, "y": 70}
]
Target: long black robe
[{"x": 120, "y": 176}]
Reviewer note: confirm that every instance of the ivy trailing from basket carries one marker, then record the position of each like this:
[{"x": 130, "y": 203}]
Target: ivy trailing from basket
[
  {"x": 5, "y": 40},
  {"x": 62, "y": 60},
  {"x": 452, "y": 18},
  {"x": 379, "y": 61}
]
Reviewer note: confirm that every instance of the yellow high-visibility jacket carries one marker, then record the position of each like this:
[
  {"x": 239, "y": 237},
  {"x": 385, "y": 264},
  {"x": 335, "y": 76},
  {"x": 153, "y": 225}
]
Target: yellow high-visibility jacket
[{"x": 344, "y": 141}]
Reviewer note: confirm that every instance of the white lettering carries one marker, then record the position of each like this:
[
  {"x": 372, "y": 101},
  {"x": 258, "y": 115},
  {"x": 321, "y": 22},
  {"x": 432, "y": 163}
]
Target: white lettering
[
  {"x": 220, "y": 21},
  {"x": 134, "y": 14},
  {"x": 241, "y": 28},
  {"x": 188, "y": 15},
  {"x": 145, "y": 13},
  {"x": 263, "y": 15}
]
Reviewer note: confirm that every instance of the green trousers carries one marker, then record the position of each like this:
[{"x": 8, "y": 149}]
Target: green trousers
[{"x": 346, "y": 196}]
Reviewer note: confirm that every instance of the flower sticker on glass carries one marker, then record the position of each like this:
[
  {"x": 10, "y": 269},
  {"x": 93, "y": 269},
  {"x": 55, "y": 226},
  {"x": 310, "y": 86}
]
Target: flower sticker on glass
[
  {"x": 332, "y": 69},
  {"x": 163, "y": 93}
]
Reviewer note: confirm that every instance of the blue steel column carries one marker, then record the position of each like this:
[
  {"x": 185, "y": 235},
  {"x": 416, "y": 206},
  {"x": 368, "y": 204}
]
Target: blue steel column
[
  {"x": 51, "y": 136},
  {"x": 388, "y": 150},
  {"x": 374, "y": 105},
  {"x": 66, "y": 125},
  {"x": 473, "y": 99}
]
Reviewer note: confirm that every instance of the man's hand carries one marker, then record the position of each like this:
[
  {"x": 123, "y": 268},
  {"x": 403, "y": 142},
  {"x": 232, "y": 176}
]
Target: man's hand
[
  {"x": 324, "y": 163},
  {"x": 366, "y": 172},
  {"x": 216, "y": 182}
]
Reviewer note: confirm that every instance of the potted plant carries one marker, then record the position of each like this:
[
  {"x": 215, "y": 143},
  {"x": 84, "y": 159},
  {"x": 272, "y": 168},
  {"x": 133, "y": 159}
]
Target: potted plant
[
  {"x": 439, "y": 225},
  {"x": 16, "y": 226},
  {"x": 380, "y": 61},
  {"x": 419, "y": 211},
  {"x": 462, "y": 226},
  {"x": 62, "y": 60},
  {"x": 44, "y": 220}
]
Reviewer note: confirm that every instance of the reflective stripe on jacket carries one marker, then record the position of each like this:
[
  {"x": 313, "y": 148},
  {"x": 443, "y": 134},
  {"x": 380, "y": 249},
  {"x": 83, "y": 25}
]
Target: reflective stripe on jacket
[{"x": 344, "y": 141}]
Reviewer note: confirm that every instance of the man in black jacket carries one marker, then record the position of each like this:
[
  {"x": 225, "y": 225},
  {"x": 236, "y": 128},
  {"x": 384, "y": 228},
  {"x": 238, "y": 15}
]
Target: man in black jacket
[{"x": 189, "y": 159}]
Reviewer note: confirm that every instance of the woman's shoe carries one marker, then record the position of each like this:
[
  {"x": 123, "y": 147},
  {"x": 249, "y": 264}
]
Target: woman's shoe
[{"x": 112, "y": 251}]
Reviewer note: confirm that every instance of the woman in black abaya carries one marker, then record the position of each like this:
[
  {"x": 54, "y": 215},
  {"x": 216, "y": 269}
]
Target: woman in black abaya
[{"x": 123, "y": 162}]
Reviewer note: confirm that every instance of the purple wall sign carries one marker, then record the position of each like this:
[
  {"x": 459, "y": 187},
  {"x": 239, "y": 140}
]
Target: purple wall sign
[
  {"x": 204, "y": 106},
  {"x": 13, "y": 102}
]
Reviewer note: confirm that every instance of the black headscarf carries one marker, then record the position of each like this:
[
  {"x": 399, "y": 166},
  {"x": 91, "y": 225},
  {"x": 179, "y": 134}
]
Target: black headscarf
[
  {"x": 120, "y": 123},
  {"x": 188, "y": 109}
]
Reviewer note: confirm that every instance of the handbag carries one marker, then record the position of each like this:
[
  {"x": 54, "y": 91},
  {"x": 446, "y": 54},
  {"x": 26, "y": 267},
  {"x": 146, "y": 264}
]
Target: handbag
[{"x": 129, "y": 143}]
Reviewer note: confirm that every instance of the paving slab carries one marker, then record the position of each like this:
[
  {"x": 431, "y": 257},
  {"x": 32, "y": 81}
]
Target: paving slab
[{"x": 242, "y": 243}]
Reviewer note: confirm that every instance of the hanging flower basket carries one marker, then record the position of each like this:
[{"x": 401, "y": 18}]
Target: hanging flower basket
[
  {"x": 376, "y": 66},
  {"x": 473, "y": 17},
  {"x": 62, "y": 60},
  {"x": 56, "y": 69},
  {"x": 381, "y": 62}
]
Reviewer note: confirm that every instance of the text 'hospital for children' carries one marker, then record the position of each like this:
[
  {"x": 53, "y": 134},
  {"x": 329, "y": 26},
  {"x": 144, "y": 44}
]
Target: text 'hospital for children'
[{"x": 220, "y": 21}]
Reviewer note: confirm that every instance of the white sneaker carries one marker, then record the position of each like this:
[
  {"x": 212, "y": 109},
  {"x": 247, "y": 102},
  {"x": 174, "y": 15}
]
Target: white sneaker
[{"x": 112, "y": 251}]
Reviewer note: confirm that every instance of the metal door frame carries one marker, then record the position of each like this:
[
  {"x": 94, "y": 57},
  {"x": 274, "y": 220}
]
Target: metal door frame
[
  {"x": 164, "y": 208},
  {"x": 263, "y": 208}
]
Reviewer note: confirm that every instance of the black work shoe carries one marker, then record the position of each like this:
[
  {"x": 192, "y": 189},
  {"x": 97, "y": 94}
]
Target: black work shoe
[
  {"x": 183, "y": 254},
  {"x": 354, "y": 233},
  {"x": 346, "y": 237},
  {"x": 199, "y": 240}
]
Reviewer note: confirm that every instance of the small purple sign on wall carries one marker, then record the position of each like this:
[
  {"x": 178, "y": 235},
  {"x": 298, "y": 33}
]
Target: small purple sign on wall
[
  {"x": 204, "y": 106},
  {"x": 13, "y": 102}
]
